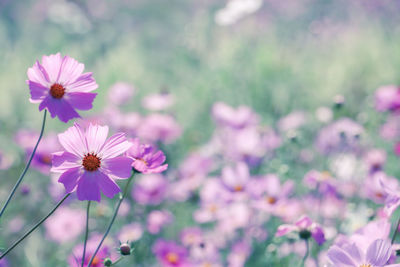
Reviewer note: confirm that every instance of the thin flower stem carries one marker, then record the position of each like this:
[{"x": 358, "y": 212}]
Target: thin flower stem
[
  {"x": 121, "y": 198},
  {"x": 396, "y": 230},
  {"x": 86, "y": 233},
  {"x": 34, "y": 227},
  {"x": 115, "y": 262},
  {"x": 306, "y": 254},
  {"x": 26, "y": 167}
]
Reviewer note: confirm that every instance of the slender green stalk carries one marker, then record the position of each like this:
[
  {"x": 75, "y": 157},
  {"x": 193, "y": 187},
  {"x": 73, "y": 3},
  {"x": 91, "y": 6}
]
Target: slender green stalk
[
  {"x": 115, "y": 262},
  {"x": 34, "y": 227},
  {"x": 121, "y": 198},
  {"x": 306, "y": 254},
  {"x": 21, "y": 177},
  {"x": 86, "y": 233},
  {"x": 396, "y": 230}
]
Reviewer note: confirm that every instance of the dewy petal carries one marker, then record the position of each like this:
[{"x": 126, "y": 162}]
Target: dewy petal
[
  {"x": 70, "y": 178},
  {"x": 74, "y": 141},
  {"x": 85, "y": 83},
  {"x": 284, "y": 229},
  {"x": 88, "y": 187},
  {"x": 81, "y": 101},
  {"x": 62, "y": 161},
  {"x": 70, "y": 70},
  {"x": 379, "y": 252},
  {"x": 38, "y": 74},
  {"x": 304, "y": 222},
  {"x": 52, "y": 65},
  {"x": 115, "y": 146},
  {"x": 107, "y": 185},
  {"x": 340, "y": 257},
  {"x": 38, "y": 91},
  {"x": 96, "y": 136},
  {"x": 119, "y": 166}
]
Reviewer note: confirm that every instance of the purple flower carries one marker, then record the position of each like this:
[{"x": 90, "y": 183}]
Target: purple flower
[
  {"x": 305, "y": 227},
  {"x": 145, "y": 158},
  {"x": 91, "y": 162},
  {"x": 377, "y": 255},
  {"x": 150, "y": 189},
  {"x": 75, "y": 258},
  {"x": 170, "y": 254},
  {"x": 59, "y": 85},
  {"x": 387, "y": 98},
  {"x": 236, "y": 178}
]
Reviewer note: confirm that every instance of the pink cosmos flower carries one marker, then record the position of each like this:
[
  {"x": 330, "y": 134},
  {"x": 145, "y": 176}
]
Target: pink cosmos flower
[
  {"x": 145, "y": 158},
  {"x": 150, "y": 189},
  {"x": 65, "y": 225},
  {"x": 91, "y": 162},
  {"x": 305, "y": 227},
  {"x": 75, "y": 259},
  {"x": 59, "y": 85},
  {"x": 170, "y": 254}
]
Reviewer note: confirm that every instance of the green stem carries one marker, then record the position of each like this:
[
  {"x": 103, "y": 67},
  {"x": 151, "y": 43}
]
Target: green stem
[
  {"x": 115, "y": 262},
  {"x": 306, "y": 254},
  {"x": 86, "y": 233},
  {"x": 121, "y": 198},
  {"x": 36, "y": 226},
  {"x": 21, "y": 177},
  {"x": 396, "y": 230}
]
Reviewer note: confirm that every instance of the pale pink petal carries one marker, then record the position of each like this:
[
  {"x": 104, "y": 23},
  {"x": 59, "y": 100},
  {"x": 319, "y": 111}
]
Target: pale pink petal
[
  {"x": 63, "y": 161},
  {"x": 38, "y": 74},
  {"x": 74, "y": 141},
  {"x": 115, "y": 146},
  {"x": 96, "y": 136},
  {"x": 284, "y": 229},
  {"x": 70, "y": 70},
  {"x": 38, "y": 92},
  {"x": 304, "y": 222},
  {"x": 52, "y": 65},
  {"x": 85, "y": 83}
]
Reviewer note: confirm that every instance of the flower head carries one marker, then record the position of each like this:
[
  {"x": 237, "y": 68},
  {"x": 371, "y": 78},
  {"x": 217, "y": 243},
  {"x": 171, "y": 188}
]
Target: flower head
[
  {"x": 59, "y": 85},
  {"x": 170, "y": 254},
  {"x": 91, "y": 162},
  {"x": 146, "y": 159},
  {"x": 305, "y": 227}
]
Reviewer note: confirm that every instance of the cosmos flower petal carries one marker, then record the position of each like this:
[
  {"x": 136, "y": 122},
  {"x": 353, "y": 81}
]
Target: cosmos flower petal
[
  {"x": 70, "y": 70},
  {"x": 65, "y": 112},
  {"x": 139, "y": 165},
  {"x": 88, "y": 187},
  {"x": 284, "y": 229},
  {"x": 96, "y": 136},
  {"x": 304, "y": 222},
  {"x": 135, "y": 149},
  {"x": 118, "y": 166},
  {"x": 38, "y": 74},
  {"x": 70, "y": 178},
  {"x": 74, "y": 141},
  {"x": 379, "y": 252},
  {"x": 85, "y": 83},
  {"x": 156, "y": 169},
  {"x": 114, "y": 146},
  {"x": 340, "y": 257},
  {"x": 107, "y": 185},
  {"x": 81, "y": 101},
  {"x": 62, "y": 161},
  {"x": 158, "y": 158},
  {"x": 52, "y": 65},
  {"x": 38, "y": 92}
]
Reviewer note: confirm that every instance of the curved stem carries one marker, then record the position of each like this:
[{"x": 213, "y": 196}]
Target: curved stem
[
  {"x": 396, "y": 230},
  {"x": 306, "y": 254},
  {"x": 21, "y": 177},
  {"x": 86, "y": 233},
  {"x": 121, "y": 198},
  {"x": 34, "y": 227}
]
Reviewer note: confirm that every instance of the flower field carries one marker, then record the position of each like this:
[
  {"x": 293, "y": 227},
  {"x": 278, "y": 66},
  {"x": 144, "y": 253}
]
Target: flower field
[{"x": 238, "y": 133}]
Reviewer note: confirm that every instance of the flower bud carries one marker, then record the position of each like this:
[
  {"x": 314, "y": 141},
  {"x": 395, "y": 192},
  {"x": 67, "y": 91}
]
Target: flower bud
[
  {"x": 125, "y": 249},
  {"x": 107, "y": 262}
]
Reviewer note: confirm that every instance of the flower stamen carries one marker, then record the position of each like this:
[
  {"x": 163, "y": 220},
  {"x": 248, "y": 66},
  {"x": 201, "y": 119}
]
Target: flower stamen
[
  {"x": 57, "y": 91},
  {"x": 91, "y": 162}
]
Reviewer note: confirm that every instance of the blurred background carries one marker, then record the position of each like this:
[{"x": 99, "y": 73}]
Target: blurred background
[{"x": 273, "y": 56}]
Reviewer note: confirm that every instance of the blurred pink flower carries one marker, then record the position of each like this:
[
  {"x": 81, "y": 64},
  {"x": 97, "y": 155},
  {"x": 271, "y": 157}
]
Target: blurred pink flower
[
  {"x": 170, "y": 254},
  {"x": 120, "y": 93},
  {"x": 65, "y": 225},
  {"x": 236, "y": 118},
  {"x": 150, "y": 189},
  {"x": 131, "y": 232},
  {"x": 387, "y": 98},
  {"x": 158, "y": 102},
  {"x": 91, "y": 162},
  {"x": 159, "y": 127},
  {"x": 157, "y": 219},
  {"x": 59, "y": 85}
]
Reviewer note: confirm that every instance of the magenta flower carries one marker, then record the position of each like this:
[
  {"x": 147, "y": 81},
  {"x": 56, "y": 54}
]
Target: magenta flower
[
  {"x": 377, "y": 255},
  {"x": 305, "y": 227},
  {"x": 170, "y": 254},
  {"x": 59, "y": 85},
  {"x": 91, "y": 162},
  {"x": 145, "y": 158}
]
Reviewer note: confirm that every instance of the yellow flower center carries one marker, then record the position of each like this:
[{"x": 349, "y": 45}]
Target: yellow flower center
[
  {"x": 172, "y": 257},
  {"x": 365, "y": 265}
]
